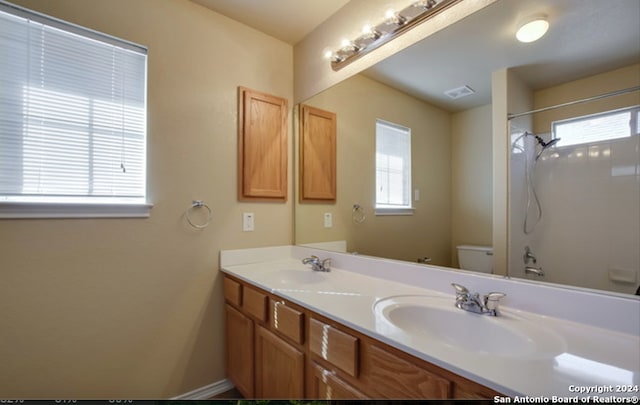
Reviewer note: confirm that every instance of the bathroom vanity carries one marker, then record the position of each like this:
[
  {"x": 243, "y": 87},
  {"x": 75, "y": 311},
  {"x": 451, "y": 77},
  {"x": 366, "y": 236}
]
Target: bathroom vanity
[{"x": 373, "y": 328}]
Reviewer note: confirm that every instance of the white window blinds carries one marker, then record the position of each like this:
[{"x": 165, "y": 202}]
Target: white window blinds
[
  {"x": 72, "y": 113},
  {"x": 393, "y": 166}
]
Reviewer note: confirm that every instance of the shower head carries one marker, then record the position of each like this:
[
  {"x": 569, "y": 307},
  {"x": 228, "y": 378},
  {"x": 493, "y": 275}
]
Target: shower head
[
  {"x": 551, "y": 143},
  {"x": 544, "y": 144},
  {"x": 541, "y": 141}
]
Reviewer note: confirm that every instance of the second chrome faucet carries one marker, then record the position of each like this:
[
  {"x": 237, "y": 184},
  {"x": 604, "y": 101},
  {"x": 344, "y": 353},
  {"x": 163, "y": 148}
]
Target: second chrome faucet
[
  {"x": 467, "y": 301},
  {"x": 317, "y": 264}
]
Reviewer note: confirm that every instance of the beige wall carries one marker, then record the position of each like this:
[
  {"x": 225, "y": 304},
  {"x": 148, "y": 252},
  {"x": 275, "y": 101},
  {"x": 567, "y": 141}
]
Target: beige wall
[
  {"x": 591, "y": 86},
  {"x": 132, "y": 308},
  {"x": 472, "y": 182},
  {"x": 357, "y": 102},
  {"x": 509, "y": 94}
]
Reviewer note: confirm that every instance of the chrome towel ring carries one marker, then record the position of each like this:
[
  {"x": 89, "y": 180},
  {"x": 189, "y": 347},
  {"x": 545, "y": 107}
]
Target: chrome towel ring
[
  {"x": 357, "y": 214},
  {"x": 194, "y": 205}
]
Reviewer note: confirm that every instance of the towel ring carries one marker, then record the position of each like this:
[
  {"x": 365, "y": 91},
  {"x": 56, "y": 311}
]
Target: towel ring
[
  {"x": 198, "y": 204},
  {"x": 357, "y": 214}
]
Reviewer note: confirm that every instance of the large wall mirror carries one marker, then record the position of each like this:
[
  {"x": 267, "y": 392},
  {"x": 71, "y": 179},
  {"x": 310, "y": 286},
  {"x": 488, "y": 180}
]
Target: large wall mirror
[{"x": 586, "y": 193}]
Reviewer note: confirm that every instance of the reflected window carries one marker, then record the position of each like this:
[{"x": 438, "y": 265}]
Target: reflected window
[
  {"x": 597, "y": 127},
  {"x": 393, "y": 168}
]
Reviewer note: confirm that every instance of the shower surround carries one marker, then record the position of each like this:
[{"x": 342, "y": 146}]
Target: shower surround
[{"x": 589, "y": 232}]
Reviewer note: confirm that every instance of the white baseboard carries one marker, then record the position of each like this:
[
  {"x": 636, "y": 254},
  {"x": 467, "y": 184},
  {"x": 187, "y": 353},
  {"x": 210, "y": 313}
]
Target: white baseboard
[{"x": 207, "y": 392}]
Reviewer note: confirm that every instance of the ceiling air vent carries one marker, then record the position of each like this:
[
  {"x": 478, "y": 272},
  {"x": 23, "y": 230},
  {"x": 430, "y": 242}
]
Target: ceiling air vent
[{"x": 459, "y": 92}]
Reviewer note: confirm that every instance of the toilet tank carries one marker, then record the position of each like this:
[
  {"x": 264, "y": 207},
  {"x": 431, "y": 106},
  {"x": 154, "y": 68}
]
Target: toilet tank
[{"x": 476, "y": 258}]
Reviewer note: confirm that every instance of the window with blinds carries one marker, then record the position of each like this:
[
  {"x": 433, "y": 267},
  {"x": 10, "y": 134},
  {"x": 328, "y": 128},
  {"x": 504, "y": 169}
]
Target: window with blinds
[
  {"x": 393, "y": 168},
  {"x": 72, "y": 116}
]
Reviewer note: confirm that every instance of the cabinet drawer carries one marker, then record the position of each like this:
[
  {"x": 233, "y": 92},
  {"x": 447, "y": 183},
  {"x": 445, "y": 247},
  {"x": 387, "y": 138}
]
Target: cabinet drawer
[
  {"x": 255, "y": 303},
  {"x": 336, "y": 347},
  {"x": 286, "y": 320},
  {"x": 232, "y": 291}
]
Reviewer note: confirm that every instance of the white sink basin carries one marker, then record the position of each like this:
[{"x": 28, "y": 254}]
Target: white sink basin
[{"x": 438, "y": 319}]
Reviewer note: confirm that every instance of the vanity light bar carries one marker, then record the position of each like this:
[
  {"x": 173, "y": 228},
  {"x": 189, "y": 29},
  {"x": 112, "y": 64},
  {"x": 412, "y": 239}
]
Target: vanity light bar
[{"x": 393, "y": 25}]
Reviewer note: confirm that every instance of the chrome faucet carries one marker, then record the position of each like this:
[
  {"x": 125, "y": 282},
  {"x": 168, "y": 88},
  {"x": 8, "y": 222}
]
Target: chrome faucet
[
  {"x": 467, "y": 301},
  {"x": 317, "y": 264},
  {"x": 529, "y": 256},
  {"x": 534, "y": 270}
]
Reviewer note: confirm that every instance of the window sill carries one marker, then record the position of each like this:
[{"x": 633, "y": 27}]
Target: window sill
[
  {"x": 394, "y": 211},
  {"x": 16, "y": 210}
]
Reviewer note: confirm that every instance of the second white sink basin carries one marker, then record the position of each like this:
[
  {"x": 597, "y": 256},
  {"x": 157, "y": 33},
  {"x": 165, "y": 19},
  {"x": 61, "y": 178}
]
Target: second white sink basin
[{"x": 438, "y": 319}]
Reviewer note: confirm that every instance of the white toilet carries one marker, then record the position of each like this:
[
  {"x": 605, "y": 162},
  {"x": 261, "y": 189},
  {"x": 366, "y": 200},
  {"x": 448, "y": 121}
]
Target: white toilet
[{"x": 475, "y": 258}]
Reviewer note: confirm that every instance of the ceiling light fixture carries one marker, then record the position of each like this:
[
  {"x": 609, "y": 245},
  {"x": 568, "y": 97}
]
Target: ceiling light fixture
[
  {"x": 533, "y": 29},
  {"x": 394, "y": 24}
]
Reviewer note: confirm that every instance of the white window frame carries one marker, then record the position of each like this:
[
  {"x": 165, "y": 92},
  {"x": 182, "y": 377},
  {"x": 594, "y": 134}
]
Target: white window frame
[
  {"x": 384, "y": 207},
  {"x": 14, "y": 205}
]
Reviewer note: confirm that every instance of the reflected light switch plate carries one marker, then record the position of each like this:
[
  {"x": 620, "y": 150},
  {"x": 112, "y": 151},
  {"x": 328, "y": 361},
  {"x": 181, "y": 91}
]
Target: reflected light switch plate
[{"x": 328, "y": 220}]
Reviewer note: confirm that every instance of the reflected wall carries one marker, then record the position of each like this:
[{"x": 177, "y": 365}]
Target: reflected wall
[{"x": 451, "y": 172}]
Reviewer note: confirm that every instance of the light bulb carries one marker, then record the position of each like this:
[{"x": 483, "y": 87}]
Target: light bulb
[
  {"x": 346, "y": 44},
  {"x": 391, "y": 15}
]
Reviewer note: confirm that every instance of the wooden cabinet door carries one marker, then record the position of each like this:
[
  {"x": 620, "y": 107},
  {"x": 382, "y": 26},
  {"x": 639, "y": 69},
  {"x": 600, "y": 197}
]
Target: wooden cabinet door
[
  {"x": 317, "y": 154},
  {"x": 239, "y": 353},
  {"x": 279, "y": 367},
  {"x": 389, "y": 376},
  {"x": 262, "y": 146},
  {"x": 326, "y": 385}
]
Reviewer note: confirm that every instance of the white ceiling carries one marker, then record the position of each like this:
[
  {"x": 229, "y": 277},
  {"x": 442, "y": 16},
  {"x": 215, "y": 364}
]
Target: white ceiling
[
  {"x": 585, "y": 37},
  {"x": 288, "y": 20}
]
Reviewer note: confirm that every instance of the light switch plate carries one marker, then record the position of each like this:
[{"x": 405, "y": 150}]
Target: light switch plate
[{"x": 248, "y": 222}]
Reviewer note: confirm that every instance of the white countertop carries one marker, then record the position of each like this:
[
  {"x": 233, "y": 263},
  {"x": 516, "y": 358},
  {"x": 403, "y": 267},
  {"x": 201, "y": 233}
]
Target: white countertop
[{"x": 597, "y": 355}]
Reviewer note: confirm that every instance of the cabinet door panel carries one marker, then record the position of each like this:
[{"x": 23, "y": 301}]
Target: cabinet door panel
[
  {"x": 389, "y": 376},
  {"x": 239, "y": 353},
  {"x": 326, "y": 385},
  {"x": 317, "y": 154},
  {"x": 262, "y": 146},
  {"x": 279, "y": 367}
]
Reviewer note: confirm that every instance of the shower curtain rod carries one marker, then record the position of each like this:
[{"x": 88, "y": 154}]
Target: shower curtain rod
[{"x": 584, "y": 100}]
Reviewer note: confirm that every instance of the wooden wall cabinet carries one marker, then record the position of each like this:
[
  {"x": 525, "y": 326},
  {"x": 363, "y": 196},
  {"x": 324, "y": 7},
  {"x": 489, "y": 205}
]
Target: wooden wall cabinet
[
  {"x": 262, "y": 146},
  {"x": 276, "y": 349},
  {"x": 317, "y": 155}
]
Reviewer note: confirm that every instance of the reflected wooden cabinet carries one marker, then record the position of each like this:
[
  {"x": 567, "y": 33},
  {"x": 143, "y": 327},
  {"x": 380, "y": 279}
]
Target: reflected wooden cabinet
[
  {"x": 262, "y": 146},
  {"x": 317, "y": 155}
]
